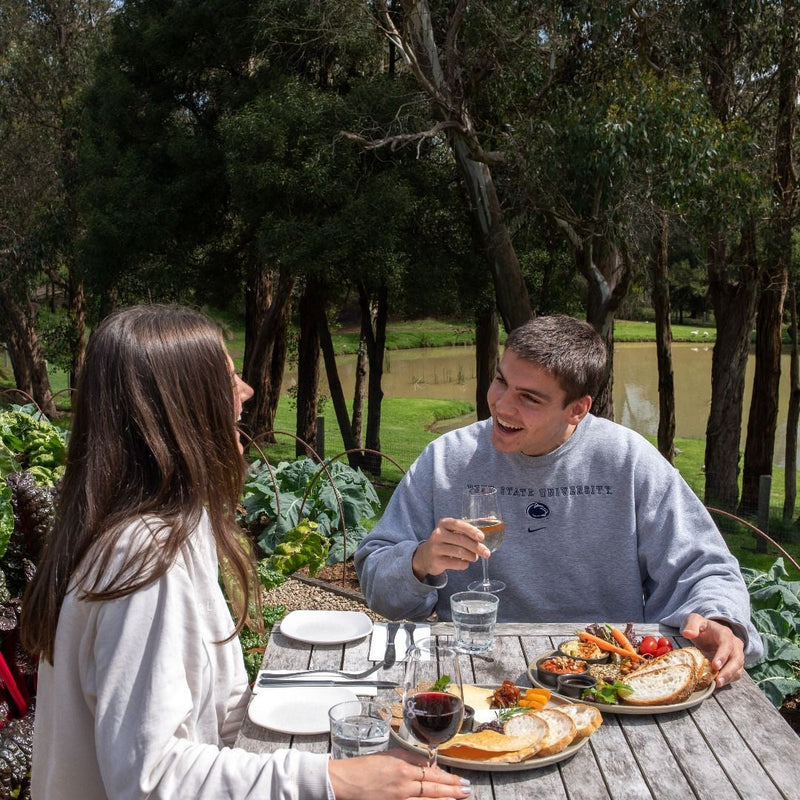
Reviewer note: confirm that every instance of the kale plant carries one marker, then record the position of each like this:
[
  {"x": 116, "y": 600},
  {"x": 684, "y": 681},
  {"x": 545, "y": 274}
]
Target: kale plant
[
  {"x": 775, "y": 612},
  {"x": 276, "y": 501}
]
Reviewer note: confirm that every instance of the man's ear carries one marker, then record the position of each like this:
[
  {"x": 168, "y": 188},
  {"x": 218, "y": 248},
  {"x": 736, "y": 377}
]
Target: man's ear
[{"x": 578, "y": 409}]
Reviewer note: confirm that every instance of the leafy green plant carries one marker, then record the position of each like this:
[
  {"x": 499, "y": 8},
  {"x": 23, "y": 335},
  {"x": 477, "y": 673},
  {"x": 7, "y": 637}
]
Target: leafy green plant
[
  {"x": 775, "y": 611},
  {"x": 278, "y": 500}
]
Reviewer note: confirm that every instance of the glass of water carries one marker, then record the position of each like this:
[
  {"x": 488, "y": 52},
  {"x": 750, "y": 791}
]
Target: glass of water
[
  {"x": 359, "y": 727},
  {"x": 474, "y": 615}
]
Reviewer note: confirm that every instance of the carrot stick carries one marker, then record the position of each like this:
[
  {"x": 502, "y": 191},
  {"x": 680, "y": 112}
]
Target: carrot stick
[
  {"x": 623, "y": 641},
  {"x": 604, "y": 645}
]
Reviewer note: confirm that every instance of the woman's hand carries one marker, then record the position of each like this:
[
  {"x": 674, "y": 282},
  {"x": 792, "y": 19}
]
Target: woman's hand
[
  {"x": 453, "y": 544},
  {"x": 394, "y": 775}
]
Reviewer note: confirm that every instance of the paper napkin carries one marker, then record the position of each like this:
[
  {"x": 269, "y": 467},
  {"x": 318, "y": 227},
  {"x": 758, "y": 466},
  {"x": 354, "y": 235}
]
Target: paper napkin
[{"x": 377, "y": 645}]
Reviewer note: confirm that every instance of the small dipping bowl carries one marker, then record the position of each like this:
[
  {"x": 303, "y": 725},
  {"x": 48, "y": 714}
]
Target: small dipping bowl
[
  {"x": 550, "y": 677},
  {"x": 573, "y": 648},
  {"x": 468, "y": 720},
  {"x": 574, "y": 685}
]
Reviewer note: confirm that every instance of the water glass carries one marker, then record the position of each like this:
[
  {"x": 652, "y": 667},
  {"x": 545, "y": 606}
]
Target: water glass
[
  {"x": 474, "y": 615},
  {"x": 359, "y": 727}
]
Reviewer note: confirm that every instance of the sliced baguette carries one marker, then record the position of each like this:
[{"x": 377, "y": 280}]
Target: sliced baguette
[
  {"x": 670, "y": 684},
  {"x": 561, "y": 730},
  {"x": 587, "y": 719}
]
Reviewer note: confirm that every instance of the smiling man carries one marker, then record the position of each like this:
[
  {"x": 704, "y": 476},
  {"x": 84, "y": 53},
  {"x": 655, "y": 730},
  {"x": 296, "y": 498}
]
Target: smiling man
[{"x": 598, "y": 525}]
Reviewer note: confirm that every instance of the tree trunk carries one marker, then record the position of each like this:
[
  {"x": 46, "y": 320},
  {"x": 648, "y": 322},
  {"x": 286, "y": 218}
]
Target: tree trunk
[
  {"x": 763, "y": 420},
  {"x": 486, "y": 357},
  {"x": 511, "y": 293},
  {"x": 607, "y": 269},
  {"x": 77, "y": 313},
  {"x": 257, "y": 297},
  {"x": 419, "y": 48},
  {"x": 334, "y": 383},
  {"x": 733, "y": 298},
  {"x": 360, "y": 391},
  {"x": 792, "y": 416},
  {"x": 374, "y": 327},
  {"x": 265, "y": 367},
  {"x": 308, "y": 367},
  {"x": 27, "y": 360},
  {"x": 666, "y": 379}
]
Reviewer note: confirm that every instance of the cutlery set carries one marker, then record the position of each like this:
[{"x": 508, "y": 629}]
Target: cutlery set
[{"x": 331, "y": 677}]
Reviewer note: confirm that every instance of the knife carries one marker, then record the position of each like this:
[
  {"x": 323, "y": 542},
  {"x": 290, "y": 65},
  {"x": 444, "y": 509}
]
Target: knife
[
  {"x": 390, "y": 656},
  {"x": 325, "y": 682}
]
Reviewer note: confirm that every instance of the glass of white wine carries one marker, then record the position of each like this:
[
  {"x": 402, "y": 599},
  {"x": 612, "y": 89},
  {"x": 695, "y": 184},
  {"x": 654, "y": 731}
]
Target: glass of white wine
[{"x": 480, "y": 509}]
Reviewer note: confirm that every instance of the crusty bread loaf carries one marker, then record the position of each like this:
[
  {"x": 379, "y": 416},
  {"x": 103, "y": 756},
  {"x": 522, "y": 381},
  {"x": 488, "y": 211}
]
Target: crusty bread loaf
[
  {"x": 587, "y": 719},
  {"x": 561, "y": 730},
  {"x": 669, "y": 684}
]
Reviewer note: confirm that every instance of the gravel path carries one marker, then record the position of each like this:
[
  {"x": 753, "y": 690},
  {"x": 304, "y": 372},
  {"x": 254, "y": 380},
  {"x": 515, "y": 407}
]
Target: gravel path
[{"x": 298, "y": 594}]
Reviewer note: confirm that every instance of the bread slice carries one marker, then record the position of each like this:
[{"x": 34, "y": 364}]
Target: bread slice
[
  {"x": 587, "y": 719},
  {"x": 704, "y": 671},
  {"x": 561, "y": 731},
  {"x": 527, "y": 724},
  {"x": 655, "y": 687},
  {"x": 679, "y": 656}
]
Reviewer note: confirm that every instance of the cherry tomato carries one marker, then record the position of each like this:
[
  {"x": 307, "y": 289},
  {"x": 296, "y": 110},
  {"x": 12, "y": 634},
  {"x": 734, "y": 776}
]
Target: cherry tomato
[
  {"x": 661, "y": 651},
  {"x": 648, "y": 646},
  {"x": 663, "y": 642}
]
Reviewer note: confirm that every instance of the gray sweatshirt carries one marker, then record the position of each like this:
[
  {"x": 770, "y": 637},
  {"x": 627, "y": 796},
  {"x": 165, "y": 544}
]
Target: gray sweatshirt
[{"x": 602, "y": 529}]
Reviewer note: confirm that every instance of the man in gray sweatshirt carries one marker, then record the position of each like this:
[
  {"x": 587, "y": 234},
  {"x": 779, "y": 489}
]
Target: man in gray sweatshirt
[{"x": 598, "y": 525}]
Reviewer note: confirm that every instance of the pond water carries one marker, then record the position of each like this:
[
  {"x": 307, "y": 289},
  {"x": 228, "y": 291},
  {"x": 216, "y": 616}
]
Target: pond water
[{"x": 449, "y": 373}]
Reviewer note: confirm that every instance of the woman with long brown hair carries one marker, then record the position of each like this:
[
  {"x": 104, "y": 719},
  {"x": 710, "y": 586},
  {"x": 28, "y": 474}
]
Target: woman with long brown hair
[{"x": 142, "y": 686}]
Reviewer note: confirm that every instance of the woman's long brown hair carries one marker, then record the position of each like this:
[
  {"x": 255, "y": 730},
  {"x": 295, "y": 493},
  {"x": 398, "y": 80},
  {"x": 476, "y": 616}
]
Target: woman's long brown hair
[{"x": 153, "y": 436}]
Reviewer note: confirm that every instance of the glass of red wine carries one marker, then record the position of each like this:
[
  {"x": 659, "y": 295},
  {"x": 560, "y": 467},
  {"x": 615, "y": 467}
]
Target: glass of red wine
[{"x": 432, "y": 695}]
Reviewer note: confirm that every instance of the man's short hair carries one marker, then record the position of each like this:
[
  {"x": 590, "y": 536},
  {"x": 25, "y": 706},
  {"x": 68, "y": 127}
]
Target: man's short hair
[{"x": 568, "y": 348}]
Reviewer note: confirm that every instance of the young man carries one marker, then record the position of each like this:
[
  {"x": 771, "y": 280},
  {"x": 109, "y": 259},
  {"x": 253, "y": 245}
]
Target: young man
[{"x": 598, "y": 525}]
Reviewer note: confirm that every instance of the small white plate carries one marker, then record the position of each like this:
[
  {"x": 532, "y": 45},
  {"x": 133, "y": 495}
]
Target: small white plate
[
  {"x": 326, "y": 627},
  {"x": 296, "y": 709}
]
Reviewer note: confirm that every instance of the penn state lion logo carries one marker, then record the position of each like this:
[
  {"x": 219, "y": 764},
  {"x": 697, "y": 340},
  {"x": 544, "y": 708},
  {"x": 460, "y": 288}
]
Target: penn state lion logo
[{"x": 537, "y": 511}]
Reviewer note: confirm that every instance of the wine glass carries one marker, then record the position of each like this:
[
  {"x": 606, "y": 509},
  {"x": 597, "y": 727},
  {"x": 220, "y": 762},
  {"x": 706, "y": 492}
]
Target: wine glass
[
  {"x": 481, "y": 510},
  {"x": 432, "y": 695}
]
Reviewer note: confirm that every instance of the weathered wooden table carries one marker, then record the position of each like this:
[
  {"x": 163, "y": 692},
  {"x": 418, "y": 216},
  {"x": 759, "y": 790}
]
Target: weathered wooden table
[{"x": 734, "y": 745}]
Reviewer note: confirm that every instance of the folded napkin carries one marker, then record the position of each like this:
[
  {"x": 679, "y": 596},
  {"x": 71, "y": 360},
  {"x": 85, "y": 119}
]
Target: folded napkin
[
  {"x": 377, "y": 645},
  {"x": 361, "y": 691}
]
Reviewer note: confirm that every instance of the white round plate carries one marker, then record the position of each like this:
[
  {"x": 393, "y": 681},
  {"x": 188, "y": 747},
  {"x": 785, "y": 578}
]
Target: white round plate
[
  {"x": 326, "y": 627},
  {"x": 296, "y": 709},
  {"x": 622, "y": 708}
]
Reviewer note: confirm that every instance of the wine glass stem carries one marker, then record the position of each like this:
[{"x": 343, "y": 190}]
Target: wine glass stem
[
  {"x": 486, "y": 582},
  {"x": 432, "y": 751}
]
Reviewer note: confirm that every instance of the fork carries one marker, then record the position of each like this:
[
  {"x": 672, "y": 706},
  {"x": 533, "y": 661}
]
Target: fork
[{"x": 389, "y": 657}]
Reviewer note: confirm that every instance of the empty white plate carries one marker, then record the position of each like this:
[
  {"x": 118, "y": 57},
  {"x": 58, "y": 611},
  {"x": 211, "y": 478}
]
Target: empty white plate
[
  {"x": 326, "y": 627},
  {"x": 296, "y": 709}
]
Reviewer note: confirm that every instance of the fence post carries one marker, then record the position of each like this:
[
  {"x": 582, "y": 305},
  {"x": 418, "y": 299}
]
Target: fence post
[{"x": 764, "y": 487}]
